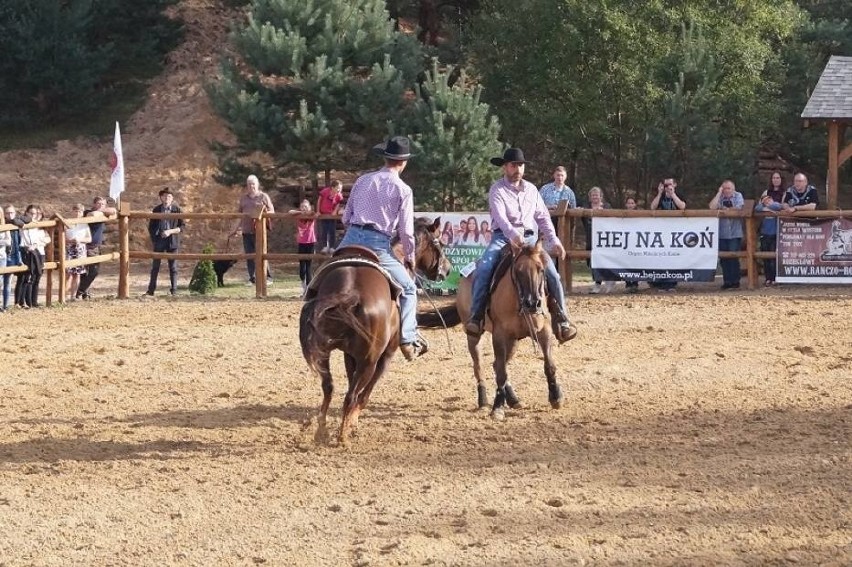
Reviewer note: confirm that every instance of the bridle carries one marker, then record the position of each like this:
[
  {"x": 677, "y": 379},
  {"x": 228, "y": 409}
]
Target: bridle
[{"x": 526, "y": 314}]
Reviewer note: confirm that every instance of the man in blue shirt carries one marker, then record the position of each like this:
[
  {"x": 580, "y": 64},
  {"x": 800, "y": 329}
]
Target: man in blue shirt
[{"x": 556, "y": 192}]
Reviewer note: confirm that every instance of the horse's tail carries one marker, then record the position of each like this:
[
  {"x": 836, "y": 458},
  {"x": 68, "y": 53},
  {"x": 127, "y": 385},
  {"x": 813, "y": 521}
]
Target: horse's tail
[
  {"x": 447, "y": 315},
  {"x": 322, "y": 319}
]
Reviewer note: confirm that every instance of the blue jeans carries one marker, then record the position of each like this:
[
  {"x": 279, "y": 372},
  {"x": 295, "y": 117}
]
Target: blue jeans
[
  {"x": 328, "y": 236},
  {"x": 7, "y": 288},
  {"x": 249, "y": 248},
  {"x": 730, "y": 266},
  {"x": 767, "y": 244},
  {"x": 380, "y": 244},
  {"x": 487, "y": 264}
]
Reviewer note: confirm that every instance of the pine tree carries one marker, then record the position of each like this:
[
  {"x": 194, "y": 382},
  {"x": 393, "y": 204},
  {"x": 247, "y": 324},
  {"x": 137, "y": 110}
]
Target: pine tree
[
  {"x": 456, "y": 137},
  {"x": 316, "y": 81},
  {"x": 47, "y": 64}
]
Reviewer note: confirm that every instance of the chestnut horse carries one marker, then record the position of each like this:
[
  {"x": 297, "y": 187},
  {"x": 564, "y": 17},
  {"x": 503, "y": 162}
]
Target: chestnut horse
[
  {"x": 351, "y": 306},
  {"x": 515, "y": 312}
]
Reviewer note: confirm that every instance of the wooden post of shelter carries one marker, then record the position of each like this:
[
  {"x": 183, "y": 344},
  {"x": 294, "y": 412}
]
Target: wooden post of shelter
[
  {"x": 124, "y": 253},
  {"x": 831, "y": 101}
]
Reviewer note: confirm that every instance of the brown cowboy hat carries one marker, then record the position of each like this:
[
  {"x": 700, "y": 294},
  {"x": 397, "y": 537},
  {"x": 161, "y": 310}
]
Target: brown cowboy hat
[
  {"x": 511, "y": 155},
  {"x": 397, "y": 148}
]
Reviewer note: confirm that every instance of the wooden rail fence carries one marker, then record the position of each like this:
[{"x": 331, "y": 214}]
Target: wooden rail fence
[{"x": 55, "y": 262}]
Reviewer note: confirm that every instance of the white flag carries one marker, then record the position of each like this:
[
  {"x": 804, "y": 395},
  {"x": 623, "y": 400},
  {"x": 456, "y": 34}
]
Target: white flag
[{"x": 116, "y": 183}]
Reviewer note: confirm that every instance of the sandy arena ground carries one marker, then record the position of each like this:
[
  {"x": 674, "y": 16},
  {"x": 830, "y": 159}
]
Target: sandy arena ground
[{"x": 699, "y": 429}]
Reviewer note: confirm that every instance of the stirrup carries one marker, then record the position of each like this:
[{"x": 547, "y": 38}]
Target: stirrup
[
  {"x": 473, "y": 327},
  {"x": 567, "y": 331}
]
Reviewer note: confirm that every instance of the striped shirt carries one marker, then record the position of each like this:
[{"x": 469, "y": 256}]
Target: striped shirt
[
  {"x": 515, "y": 209},
  {"x": 384, "y": 201}
]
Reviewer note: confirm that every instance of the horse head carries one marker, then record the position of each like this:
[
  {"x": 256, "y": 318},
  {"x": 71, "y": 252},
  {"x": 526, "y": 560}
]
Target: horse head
[
  {"x": 428, "y": 249},
  {"x": 528, "y": 266}
]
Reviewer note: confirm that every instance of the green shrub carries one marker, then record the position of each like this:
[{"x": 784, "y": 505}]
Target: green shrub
[{"x": 203, "y": 276}]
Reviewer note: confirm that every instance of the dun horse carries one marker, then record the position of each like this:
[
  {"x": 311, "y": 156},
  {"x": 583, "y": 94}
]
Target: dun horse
[
  {"x": 515, "y": 312},
  {"x": 351, "y": 306}
]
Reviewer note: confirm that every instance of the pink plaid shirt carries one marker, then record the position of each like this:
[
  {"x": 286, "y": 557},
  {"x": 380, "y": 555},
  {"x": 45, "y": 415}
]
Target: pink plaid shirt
[
  {"x": 385, "y": 201},
  {"x": 515, "y": 209}
]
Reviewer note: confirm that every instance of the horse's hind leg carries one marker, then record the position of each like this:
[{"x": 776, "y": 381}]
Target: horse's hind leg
[
  {"x": 360, "y": 374},
  {"x": 364, "y": 396},
  {"x": 321, "y": 435},
  {"x": 554, "y": 391},
  {"x": 476, "y": 358}
]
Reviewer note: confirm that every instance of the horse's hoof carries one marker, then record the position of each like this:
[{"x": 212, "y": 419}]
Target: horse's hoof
[
  {"x": 481, "y": 397},
  {"x": 511, "y": 399},
  {"x": 555, "y": 396},
  {"x": 321, "y": 436},
  {"x": 498, "y": 414}
]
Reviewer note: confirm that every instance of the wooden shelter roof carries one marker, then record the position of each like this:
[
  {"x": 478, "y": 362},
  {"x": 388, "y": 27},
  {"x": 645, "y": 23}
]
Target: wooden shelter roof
[{"x": 832, "y": 96}]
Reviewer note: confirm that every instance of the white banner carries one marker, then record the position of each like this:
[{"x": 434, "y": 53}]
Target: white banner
[{"x": 655, "y": 249}]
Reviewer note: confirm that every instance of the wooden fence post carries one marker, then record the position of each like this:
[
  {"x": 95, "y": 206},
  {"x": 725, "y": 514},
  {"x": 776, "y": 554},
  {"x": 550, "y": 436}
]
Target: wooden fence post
[
  {"x": 564, "y": 235},
  {"x": 124, "y": 251},
  {"x": 48, "y": 257},
  {"x": 751, "y": 261},
  {"x": 60, "y": 245},
  {"x": 260, "y": 256}
]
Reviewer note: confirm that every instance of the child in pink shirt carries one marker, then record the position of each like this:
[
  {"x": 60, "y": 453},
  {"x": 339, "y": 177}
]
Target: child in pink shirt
[
  {"x": 306, "y": 238},
  {"x": 328, "y": 203}
]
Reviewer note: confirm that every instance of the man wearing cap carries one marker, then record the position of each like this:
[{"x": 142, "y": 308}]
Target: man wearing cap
[
  {"x": 519, "y": 215},
  {"x": 165, "y": 236},
  {"x": 380, "y": 206}
]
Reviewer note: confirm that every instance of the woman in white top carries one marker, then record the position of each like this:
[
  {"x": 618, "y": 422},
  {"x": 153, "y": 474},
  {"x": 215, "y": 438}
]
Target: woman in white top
[
  {"x": 76, "y": 238},
  {"x": 33, "y": 241}
]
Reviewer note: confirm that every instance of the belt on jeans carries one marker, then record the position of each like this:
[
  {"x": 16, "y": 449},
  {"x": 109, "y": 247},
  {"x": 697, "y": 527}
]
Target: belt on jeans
[
  {"x": 527, "y": 231},
  {"x": 370, "y": 227}
]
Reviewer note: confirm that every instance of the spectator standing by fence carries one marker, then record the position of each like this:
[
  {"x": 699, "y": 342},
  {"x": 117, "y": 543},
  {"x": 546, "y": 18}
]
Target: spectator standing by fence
[
  {"x": 557, "y": 191},
  {"x": 102, "y": 211},
  {"x": 33, "y": 241},
  {"x": 730, "y": 231},
  {"x": 77, "y": 236},
  {"x": 801, "y": 196},
  {"x": 252, "y": 204},
  {"x": 667, "y": 199},
  {"x": 596, "y": 202},
  {"x": 10, "y": 254},
  {"x": 770, "y": 201},
  {"x": 630, "y": 205},
  {"x": 328, "y": 203},
  {"x": 165, "y": 236},
  {"x": 306, "y": 239}
]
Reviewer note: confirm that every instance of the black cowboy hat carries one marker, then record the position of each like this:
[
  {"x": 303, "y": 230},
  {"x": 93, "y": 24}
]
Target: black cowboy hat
[
  {"x": 511, "y": 155},
  {"x": 397, "y": 148}
]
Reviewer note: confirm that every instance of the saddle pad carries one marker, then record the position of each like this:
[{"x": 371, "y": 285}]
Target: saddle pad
[{"x": 311, "y": 291}]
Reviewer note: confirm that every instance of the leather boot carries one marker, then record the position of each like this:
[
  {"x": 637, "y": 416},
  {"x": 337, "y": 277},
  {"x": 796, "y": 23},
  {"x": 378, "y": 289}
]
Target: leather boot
[
  {"x": 563, "y": 329},
  {"x": 475, "y": 326}
]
